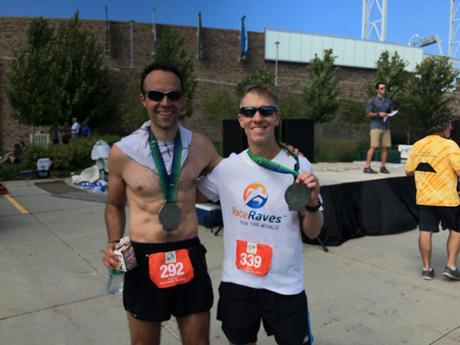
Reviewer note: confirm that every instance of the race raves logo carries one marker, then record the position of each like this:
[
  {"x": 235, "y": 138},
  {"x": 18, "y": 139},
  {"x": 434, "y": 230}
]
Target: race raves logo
[{"x": 255, "y": 195}]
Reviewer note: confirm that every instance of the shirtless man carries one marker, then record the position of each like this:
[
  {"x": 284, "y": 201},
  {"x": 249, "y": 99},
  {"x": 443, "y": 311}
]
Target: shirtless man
[{"x": 151, "y": 293}]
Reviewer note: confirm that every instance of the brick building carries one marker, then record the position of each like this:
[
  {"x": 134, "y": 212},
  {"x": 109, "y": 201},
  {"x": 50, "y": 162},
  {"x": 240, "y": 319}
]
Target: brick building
[{"x": 131, "y": 48}]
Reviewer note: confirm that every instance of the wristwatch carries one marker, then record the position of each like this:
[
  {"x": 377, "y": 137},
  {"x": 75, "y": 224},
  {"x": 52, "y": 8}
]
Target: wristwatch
[{"x": 313, "y": 209}]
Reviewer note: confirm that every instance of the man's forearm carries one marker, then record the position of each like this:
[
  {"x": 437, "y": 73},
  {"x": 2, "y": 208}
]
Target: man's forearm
[
  {"x": 312, "y": 223},
  {"x": 115, "y": 220}
]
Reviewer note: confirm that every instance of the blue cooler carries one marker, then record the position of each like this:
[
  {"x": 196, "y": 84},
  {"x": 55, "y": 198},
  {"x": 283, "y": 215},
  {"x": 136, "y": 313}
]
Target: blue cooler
[
  {"x": 43, "y": 167},
  {"x": 209, "y": 214}
]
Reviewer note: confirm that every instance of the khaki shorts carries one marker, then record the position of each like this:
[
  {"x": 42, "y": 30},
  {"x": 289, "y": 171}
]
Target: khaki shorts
[{"x": 380, "y": 137}]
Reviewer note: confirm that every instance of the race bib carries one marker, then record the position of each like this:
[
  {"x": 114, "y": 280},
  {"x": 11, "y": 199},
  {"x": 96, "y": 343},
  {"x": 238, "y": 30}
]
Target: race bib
[
  {"x": 167, "y": 269},
  {"x": 255, "y": 258}
]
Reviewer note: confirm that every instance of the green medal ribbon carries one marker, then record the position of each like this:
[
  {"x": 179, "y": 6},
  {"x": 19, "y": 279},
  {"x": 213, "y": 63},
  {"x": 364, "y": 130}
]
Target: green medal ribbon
[
  {"x": 169, "y": 183},
  {"x": 273, "y": 166}
]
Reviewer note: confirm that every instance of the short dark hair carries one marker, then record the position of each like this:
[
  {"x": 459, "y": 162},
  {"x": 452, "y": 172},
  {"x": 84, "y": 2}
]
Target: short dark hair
[
  {"x": 378, "y": 83},
  {"x": 262, "y": 90},
  {"x": 438, "y": 122},
  {"x": 161, "y": 67}
]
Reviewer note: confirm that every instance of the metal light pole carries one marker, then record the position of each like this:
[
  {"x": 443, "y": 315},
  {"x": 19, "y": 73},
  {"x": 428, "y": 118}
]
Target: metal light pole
[{"x": 277, "y": 43}]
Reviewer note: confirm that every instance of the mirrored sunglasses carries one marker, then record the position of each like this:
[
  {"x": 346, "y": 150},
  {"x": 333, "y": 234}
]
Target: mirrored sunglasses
[
  {"x": 157, "y": 96},
  {"x": 264, "y": 110}
]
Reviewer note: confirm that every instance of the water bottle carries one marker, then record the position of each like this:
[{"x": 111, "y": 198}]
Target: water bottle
[{"x": 115, "y": 284}]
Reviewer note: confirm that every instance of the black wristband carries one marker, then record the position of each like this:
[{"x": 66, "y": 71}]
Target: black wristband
[{"x": 313, "y": 209}]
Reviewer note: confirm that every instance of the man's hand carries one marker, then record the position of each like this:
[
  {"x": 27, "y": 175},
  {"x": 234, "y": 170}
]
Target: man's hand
[
  {"x": 383, "y": 114},
  {"x": 292, "y": 149},
  {"x": 312, "y": 183},
  {"x": 109, "y": 258}
]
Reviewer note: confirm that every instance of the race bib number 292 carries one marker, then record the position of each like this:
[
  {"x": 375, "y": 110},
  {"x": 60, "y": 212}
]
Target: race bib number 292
[{"x": 167, "y": 269}]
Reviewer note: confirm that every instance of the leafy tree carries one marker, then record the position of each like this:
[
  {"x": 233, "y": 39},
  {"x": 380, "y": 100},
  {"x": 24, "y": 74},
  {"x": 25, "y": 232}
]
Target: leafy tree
[
  {"x": 425, "y": 93},
  {"x": 55, "y": 77},
  {"x": 219, "y": 105},
  {"x": 350, "y": 113},
  {"x": 28, "y": 80},
  {"x": 258, "y": 76},
  {"x": 291, "y": 106},
  {"x": 170, "y": 50},
  {"x": 391, "y": 70},
  {"x": 428, "y": 92},
  {"x": 321, "y": 94},
  {"x": 132, "y": 110},
  {"x": 80, "y": 80}
]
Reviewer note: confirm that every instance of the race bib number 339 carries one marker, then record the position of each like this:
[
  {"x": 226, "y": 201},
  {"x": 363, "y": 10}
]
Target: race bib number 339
[
  {"x": 254, "y": 258},
  {"x": 167, "y": 269}
]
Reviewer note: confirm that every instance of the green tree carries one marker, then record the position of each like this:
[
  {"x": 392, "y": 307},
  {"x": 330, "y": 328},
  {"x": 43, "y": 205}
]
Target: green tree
[
  {"x": 391, "y": 70},
  {"x": 350, "y": 113},
  {"x": 170, "y": 50},
  {"x": 219, "y": 105},
  {"x": 291, "y": 106},
  {"x": 80, "y": 80},
  {"x": 132, "y": 110},
  {"x": 321, "y": 94},
  {"x": 258, "y": 76},
  {"x": 55, "y": 77},
  {"x": 28, "y": 80},
  {"x": 428, "y": 92}
]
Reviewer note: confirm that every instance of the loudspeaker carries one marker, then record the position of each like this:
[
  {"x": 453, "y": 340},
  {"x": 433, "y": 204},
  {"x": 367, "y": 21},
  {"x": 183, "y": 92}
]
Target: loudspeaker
[
  {"x": 234, "y": 138},
  {"x": 300, "y": 133},
  {"x": 455, "y": 134}
]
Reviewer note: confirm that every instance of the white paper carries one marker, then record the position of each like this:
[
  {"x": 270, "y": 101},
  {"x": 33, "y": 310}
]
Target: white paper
[{"x": 393, "y": 113}]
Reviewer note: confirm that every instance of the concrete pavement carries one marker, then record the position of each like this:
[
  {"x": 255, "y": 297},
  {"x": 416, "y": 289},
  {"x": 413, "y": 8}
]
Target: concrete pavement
[{"x": 368, "y": 291}]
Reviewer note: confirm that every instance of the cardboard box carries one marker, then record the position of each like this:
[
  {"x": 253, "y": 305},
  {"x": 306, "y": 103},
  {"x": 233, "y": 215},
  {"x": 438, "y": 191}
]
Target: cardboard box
[{"x": 209, "y": 215}]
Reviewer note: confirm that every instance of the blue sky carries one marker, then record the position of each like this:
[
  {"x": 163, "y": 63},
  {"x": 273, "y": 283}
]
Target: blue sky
[{"x": 328, "y": 17}]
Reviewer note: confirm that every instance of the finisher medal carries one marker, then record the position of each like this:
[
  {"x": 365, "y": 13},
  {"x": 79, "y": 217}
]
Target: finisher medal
[
  {"x": 170, "y": 216},
  {"x": 297, "y": 197}
]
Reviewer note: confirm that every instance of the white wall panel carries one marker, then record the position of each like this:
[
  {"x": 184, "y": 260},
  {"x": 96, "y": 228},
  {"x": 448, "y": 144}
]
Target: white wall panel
[{"x": 301, "y": 48}]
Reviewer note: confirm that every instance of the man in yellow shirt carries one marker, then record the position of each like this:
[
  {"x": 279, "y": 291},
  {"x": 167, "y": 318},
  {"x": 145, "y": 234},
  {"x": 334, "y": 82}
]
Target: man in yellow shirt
[{"x": 435, "y": 163}]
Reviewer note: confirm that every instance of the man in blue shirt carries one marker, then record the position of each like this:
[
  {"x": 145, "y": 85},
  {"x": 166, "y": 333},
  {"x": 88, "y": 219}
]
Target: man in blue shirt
[{"x": 378, "y": 108}]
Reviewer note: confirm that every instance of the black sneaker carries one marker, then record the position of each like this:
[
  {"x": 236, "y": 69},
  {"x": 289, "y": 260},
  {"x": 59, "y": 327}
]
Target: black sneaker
[
  {"x": 384, "y": 170},
  {"x": 452, "y": 274},
  {"x": 369, "y": 171},
  {"x": 428, "y": 274}
]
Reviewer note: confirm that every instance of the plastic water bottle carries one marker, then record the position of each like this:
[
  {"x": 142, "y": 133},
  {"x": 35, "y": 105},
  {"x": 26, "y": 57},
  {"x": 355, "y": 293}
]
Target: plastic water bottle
[{"x": 115, "y": 284}]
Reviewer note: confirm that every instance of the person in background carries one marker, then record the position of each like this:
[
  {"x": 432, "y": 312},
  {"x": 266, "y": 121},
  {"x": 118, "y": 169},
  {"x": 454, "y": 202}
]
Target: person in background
[
  {"x": 435, "y": 163},
  {"x": 85, "y": 129},
  {"x": 377, "y": 110},
  {"x": 75, "y": 129},
  {"x": 55, "y": 134},
  {"x": 14, "y": 156}
]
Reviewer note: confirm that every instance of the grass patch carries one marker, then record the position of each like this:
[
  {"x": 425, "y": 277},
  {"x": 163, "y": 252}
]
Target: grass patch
[{"x": 336, "y": 150}]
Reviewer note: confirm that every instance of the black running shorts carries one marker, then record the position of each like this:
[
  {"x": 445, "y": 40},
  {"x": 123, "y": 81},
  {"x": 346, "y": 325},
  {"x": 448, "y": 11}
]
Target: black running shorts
[
  {"x": 430, "y": 216},
  {"x": 241, "y": 309},
  {"x": 145, "y": 301}
]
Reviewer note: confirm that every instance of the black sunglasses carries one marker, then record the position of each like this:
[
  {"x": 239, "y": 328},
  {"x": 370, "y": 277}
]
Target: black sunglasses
[
  {"x": 264, "y": 110},
  {"x": 157, "y": 96}
]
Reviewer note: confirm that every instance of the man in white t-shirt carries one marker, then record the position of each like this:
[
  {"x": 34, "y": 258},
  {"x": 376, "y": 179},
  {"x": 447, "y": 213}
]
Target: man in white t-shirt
[
  {"x": 262, "y": 276},
  {"x": 75, "y": 129}
]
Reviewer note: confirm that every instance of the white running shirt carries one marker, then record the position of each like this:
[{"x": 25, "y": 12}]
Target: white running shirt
[{"x": 254, "y": 210}]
